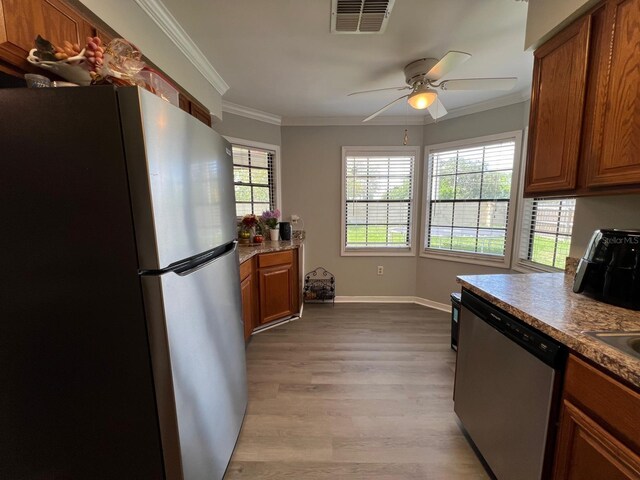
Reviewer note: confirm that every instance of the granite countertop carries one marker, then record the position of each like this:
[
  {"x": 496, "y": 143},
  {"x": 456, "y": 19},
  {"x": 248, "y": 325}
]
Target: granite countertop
[
  {"x": 245, "y": 252},
  {"x": 546, "y": 302}
]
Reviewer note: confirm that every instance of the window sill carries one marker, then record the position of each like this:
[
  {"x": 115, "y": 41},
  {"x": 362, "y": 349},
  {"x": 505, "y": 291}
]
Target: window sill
[
  {"x": 524, "y": 266},
  {"x": 386, "y": 252},
  {"x": 499, "y": 262}
]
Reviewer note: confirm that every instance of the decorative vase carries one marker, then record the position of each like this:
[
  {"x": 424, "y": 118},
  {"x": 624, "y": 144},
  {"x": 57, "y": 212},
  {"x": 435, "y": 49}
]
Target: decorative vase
[{"x": 275, "y": 234}]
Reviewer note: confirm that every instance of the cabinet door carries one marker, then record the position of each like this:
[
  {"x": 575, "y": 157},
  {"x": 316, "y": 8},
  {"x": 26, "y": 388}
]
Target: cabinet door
[
  {"x": 557, "y": 105},
  {"x": 184, "y": 103},
  {"x": 614, "y": 156},
  {"x": 248, "y": 302},
  {"x": 22, "y": 20},
  {"x": 588, "y": 451},
  {"x": 276, "y": 292},
  {"x": 201, "y": 114}
]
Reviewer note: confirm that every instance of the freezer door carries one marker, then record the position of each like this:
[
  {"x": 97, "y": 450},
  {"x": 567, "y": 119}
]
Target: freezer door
[
  {"x": 201, "y": 386},
  {"x": 181, "y": 180}
]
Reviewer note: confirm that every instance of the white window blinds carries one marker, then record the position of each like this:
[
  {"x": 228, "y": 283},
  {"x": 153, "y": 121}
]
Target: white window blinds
[
  {"x": 469, "y": 196},
  {"x": 378, "y": 192},
  {"x": 546, "y": 231},
  {"x": 254, "y": 180}
]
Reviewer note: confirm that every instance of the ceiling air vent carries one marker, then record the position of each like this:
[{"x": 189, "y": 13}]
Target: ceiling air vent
[{"x": 360, "y": 16}]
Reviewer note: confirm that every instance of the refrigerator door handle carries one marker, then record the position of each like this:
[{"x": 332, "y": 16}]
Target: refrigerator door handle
[{"x": 195, "y": 263}]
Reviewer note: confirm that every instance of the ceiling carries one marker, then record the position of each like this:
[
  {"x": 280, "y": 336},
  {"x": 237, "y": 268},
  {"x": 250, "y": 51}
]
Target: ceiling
[{"x": 279, "y": 56}]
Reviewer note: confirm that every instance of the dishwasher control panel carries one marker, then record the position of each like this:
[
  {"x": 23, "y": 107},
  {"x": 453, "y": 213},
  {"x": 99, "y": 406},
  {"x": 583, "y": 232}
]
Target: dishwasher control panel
[{"x": 540, "y": 345}]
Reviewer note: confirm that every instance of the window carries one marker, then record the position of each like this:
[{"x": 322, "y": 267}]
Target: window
[
  {"x": 470, "y": 188},
  {"x": 546, "y": 232},
  {"x": 253, "y": 173},
  {"x": 377, "y": 188}
]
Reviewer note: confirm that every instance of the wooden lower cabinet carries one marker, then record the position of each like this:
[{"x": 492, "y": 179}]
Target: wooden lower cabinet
[
  {"x": 276, "y": 300},
  {"x": 269, "y": 285},
  {"x": 248, "y": 293},
  {"x": 599, "y": 423},
  {"x": 278, "y": 285}
]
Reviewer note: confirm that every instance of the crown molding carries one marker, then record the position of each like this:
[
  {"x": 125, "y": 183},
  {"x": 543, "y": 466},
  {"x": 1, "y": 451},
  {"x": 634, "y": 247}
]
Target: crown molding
[
  {"x": 163, "y": 18},
  {"x": 511, "y": 99},
  {"x": 252, "y": 113},
  {"x": 396, "y": 120}
]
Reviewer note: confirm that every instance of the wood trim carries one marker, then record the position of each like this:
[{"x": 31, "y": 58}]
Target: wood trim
[{"x": 567, "y": 180}]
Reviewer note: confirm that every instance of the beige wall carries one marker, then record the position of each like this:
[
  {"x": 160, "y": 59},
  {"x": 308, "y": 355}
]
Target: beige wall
[
  {"x": 592, "y": 213},
  {"x": 130, "y": 21},
  {"x": 547, "y": 17},
  {"x": 311, "y": 188},
  {"x": 311, "y": 179},
  {"x": 248, "y": 129}
]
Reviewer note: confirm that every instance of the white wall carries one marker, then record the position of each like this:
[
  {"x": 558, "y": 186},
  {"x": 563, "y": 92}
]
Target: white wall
[{"x": 130, "y": 21}]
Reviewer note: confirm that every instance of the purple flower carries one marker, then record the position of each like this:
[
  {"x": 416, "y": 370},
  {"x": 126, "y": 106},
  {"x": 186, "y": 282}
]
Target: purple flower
[{"x": 270, "y": 217}]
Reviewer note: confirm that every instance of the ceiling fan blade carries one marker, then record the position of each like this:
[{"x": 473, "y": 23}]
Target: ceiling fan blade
[
  {"x": 436, "y": 109},
  {"x": 380, "y": 90},
  {"x": 386, "y": 107},
  {"x": 479, "y": 84},
  {"x": 447, "y": 63}
]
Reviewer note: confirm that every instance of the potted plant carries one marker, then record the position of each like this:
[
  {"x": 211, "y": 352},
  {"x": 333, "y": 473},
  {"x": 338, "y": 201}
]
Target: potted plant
[
  {"x": 245, "y": 227},
  {"x": 270, "y": 218}
]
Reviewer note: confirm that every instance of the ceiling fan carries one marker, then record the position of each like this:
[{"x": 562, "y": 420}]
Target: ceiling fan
[{"x": 423, "y": 79}]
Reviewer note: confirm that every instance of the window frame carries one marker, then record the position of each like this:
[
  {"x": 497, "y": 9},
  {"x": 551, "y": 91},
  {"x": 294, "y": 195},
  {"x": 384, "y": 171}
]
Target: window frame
[
  {"x": 524, "y": 265},
  {"x": 512, "y": 219},
  {"x": 380, "y": 251},
  {"x": 239, "y": 142}
]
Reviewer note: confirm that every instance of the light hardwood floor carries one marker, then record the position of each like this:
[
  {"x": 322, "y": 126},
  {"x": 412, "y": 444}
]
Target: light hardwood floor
[{"x": 354, "y": 391}]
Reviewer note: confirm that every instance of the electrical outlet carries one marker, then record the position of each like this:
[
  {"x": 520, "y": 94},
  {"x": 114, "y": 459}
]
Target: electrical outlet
[
  {"x": 380, "y": 270},
  {"x": 295, "y": 218}
]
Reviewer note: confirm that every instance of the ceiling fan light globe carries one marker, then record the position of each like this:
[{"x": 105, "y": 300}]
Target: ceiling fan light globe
[{"x": 422, "y": 99}]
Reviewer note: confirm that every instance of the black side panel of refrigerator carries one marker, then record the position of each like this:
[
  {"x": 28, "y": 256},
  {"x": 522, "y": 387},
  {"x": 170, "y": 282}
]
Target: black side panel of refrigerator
[{"x": 77, "y": 397}]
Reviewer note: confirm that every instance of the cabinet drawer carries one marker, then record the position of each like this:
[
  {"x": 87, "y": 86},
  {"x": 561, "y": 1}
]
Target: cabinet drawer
[
  {"x": 614, "y": 404},
  {"x": 277, "y": 258},
  {"x": 246, "y": 268}
]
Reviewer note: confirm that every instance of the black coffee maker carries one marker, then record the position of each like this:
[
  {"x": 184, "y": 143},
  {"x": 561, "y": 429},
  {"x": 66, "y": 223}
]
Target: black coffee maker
[
  {"x": 285, "y": 231},
  {"x": 610, "y": 268}
]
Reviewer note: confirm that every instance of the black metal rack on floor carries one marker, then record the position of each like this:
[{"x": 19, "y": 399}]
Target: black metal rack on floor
[{"x": 319, "y": 286}]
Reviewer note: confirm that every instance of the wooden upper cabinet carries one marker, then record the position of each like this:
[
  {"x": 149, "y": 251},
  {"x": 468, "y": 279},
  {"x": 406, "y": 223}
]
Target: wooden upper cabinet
[
  {"x": 613, "y": 158},
  {"x": 201, "y": 114},
  {"x": 22, "y": 20},
  {"x": 557, "y": 106}
]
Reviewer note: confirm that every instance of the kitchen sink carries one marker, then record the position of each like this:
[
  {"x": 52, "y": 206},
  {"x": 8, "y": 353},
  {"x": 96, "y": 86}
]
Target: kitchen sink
[{"x": 626, "y": 342}]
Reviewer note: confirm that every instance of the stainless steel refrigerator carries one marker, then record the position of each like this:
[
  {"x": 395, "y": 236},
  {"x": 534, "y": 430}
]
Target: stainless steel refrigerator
[{"x": 121, "y": 344}]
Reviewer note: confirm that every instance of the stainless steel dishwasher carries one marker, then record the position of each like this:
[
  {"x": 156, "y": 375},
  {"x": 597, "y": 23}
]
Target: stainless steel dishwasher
[{"x": 507, "y": 379}]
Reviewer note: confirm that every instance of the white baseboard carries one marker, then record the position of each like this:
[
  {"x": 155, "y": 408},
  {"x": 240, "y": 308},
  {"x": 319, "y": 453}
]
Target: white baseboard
[{"x": 394, "y": 299}]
